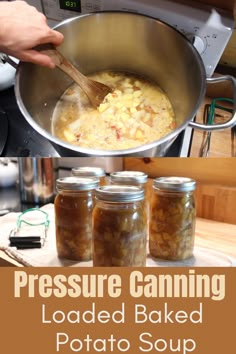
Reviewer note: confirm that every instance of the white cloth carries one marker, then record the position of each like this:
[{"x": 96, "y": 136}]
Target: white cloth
[{"x": 41, "y": 257}]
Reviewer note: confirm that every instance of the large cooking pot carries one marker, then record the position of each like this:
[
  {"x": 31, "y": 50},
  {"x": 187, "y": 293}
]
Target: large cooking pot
[{"x": 124, "y": 42}]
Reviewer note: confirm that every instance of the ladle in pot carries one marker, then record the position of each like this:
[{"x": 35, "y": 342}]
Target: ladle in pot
[{"x": 96, "y": 91}]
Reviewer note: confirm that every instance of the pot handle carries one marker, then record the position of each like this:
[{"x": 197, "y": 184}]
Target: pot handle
[
  {"x": 6, "y": 59},
  {"x": 231, "y": 122}
]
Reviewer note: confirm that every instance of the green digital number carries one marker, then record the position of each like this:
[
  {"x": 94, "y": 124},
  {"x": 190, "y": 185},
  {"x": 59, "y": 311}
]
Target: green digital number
[{"x": 70, "y": 5}]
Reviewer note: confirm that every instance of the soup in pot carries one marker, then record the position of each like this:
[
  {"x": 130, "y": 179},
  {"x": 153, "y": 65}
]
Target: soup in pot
[{"x": 137, "y": 112}]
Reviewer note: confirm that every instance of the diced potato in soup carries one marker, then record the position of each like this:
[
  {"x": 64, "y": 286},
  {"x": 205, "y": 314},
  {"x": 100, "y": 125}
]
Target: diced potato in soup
[{"x": 137, "y": 112}]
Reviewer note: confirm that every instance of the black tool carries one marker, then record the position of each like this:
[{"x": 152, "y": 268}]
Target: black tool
[{"x": 25, "y": 242}]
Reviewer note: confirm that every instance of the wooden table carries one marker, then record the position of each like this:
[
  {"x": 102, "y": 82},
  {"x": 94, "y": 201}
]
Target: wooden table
[{"x": 214, "y": 235}]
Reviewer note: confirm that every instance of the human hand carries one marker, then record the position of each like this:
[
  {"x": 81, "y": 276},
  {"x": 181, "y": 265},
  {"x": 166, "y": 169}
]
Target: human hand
[{"x": 23, "y": 27}]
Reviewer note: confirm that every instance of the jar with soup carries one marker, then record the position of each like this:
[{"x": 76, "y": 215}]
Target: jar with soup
[
  {"x": 172, "y": 219},
  {"x": 119, "y": 227},
  {"x": 74, "y": 204},
  {"x": 90, "y": 172},
  {"x": 133, "y": 178}
]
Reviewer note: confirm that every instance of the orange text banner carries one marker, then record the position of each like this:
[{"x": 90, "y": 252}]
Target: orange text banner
[{"x": 118, "y": 310}]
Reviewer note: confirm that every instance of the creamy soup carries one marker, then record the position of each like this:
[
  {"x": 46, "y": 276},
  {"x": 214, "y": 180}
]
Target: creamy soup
[{"x": 135, "y": 113}]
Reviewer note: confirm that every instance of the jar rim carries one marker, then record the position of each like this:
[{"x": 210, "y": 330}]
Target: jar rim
[
  {"x": 119, "y": 193},
  {"x": 129, "y": 176},
  {"x": 176, "y": 184},
  {"x": 76, "y": 183},
  {"x": 88, "y": 171}
]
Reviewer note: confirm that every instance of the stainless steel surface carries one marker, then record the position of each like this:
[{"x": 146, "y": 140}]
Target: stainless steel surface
[
  {"x": 37, "y": 179},
  {"x": 231, "y": 122},
  {"x": 133, "y": 43},
  {"x": 207, "y": 27}
]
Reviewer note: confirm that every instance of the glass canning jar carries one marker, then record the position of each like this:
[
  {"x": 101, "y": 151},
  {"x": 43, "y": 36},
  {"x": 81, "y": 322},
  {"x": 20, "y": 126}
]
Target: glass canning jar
[
  {"x": 73, "y": 217},
  {"x": 132, "y": 178},
  {"x": 119, "y": 227},
  {"x": 90, "y": 172},
  {"x": 172, "y": 219}
]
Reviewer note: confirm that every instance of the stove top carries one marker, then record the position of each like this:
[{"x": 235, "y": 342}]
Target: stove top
[
  {"x": 21, "y": 140},
  {"x": 18, "y": 138},
  {"x": 208, "y": 28}
]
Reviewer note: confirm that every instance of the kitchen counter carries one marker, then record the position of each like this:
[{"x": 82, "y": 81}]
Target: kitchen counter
[
  {"x": 216, "y": 235},
  {"x": 210, "y": 235}
]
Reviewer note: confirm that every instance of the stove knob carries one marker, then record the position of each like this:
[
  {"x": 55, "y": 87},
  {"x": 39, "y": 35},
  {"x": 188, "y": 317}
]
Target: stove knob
[{"x": 199, "y": 44}]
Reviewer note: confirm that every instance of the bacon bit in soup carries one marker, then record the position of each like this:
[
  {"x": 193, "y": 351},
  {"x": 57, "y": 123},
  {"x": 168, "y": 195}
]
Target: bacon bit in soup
[{"x": 78, "y": 136}]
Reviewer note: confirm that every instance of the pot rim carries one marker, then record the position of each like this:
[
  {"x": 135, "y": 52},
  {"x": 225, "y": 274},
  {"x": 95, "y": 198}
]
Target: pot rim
[{"x": 122, "y": 152}]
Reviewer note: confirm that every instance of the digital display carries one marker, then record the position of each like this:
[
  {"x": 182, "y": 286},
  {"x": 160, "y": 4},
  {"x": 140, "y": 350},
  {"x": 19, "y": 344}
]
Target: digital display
[{"x": 74, "y": 5}]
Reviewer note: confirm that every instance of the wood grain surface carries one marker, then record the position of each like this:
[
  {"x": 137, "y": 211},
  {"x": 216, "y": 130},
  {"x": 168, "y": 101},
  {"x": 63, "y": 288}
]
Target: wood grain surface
[
  {"x": 209, "y": 171},
  {"x": 216, "y": 202},
  {"x": 216, "y": 181},
  {"x": 216, "y": 235}
]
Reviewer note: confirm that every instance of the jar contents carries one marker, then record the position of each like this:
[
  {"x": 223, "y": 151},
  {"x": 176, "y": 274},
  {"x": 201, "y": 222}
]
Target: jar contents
[
  {"x": 119, "y": 227},
  {"x": 73, "y": 218},
  {"x": 172, "y": 220},
  {"x": 135, "y": 113}
]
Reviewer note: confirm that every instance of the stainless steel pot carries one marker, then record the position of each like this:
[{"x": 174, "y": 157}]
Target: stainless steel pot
[
  {"x": 125, "y": 42},
  {"x": 37, "y": 178}
]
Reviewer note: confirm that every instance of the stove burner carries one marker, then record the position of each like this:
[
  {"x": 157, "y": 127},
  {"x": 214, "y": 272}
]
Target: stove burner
[{"x": 22, "y": 139}]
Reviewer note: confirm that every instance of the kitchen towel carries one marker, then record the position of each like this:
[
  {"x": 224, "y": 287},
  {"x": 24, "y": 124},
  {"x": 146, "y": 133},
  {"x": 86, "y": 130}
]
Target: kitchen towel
[{"x": 42, "y": 257}]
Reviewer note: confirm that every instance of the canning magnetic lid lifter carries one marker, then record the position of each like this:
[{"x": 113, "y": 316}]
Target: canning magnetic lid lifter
[{"x": 30, "y": 232}]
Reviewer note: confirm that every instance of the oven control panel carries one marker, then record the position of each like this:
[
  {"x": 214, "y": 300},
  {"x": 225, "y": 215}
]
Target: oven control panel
[{"x": 209, "y": 29}]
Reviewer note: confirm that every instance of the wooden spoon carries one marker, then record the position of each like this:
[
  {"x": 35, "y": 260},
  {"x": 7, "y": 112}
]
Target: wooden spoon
[{"x": 96, "y": 91}]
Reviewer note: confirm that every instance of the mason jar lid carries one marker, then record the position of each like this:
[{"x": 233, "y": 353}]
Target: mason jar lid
[
  {"x": 76, "y": 183},
  {"x": 129, "y": 177},
  {"x": 175, "y": 184},
  {"x": 88, "y": 172},
  {"x": 119, "y": 193}
]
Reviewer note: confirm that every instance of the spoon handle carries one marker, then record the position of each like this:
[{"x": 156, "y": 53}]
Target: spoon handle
[
  {"x": 62, "y": 63},
  {"x": 95, "y": 91}
]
